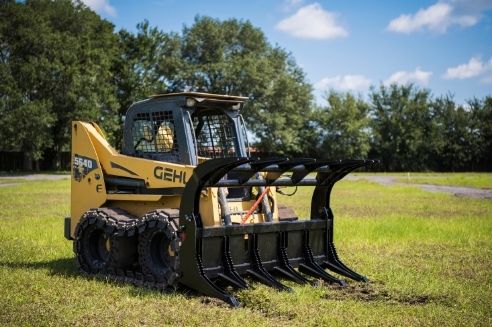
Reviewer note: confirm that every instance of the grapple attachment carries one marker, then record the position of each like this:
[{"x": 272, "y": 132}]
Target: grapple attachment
[{"x": 214, "y": 257}]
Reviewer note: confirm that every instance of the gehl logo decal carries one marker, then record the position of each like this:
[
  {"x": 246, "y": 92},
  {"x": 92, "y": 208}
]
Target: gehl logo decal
[
  {"x": 82, "y": 166},
  {"x": 169, "y": 174}
]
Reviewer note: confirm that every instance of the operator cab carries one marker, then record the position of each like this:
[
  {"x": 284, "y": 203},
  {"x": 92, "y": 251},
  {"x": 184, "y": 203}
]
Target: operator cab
[{"x": 185, "y": 128}]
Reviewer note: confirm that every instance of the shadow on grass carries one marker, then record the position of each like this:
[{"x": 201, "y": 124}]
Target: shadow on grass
[
  {"x": 61, "y": 267},
  {"x": 66, "y": 267}
]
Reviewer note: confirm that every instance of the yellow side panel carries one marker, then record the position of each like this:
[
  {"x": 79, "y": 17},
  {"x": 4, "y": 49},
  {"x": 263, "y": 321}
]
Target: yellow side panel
[
  {"x": 87, "y": 182},
  {"x": 93, "y": 157},
  {"x": 156, "y": 174}
]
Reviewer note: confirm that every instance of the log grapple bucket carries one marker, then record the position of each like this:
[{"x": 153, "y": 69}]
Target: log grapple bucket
[{"x": 215, "y": 257}]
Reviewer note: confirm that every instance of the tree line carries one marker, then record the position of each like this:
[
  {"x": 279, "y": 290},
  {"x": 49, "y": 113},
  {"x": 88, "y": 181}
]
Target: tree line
[{"x": 59, "y": 61}]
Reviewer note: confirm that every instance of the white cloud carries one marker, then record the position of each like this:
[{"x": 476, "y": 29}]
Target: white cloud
[
  {"x": 403, "y": 77},
  {"x": 440, "y": 16},
  {"x": 344, "y": 83},
  {"x": 101, "y": 6},
  {"x": 472, "y": 68},
  {"x": 312, "y": 22}
]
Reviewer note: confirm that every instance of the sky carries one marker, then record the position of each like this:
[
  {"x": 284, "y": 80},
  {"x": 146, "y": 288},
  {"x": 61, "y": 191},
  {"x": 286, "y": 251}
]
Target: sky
[{"x": 349, "y": 45}]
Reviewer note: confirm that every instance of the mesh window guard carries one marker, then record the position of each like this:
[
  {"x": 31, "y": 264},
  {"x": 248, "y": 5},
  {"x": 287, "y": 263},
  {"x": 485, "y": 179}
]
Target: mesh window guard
[
  {"x": 154, "y": 132},
  {"x": 215, "y": 136}
]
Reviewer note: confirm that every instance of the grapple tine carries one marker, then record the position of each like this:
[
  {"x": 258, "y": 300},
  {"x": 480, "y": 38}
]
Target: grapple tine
[
  {"x": 286, "y": 165},
  {"x": 310, "y": 267},
  {"x": 256, "y": 166},
  {"x": 297, "y": 176},
  {"x": 333, "y": 262},
  {"x": 205, "y": 286},
  {"x": 291, "y": 275},
  {"x": 318, "y": 272},
  {"x": 258, "y": 271},
  {"x": 285, "y": 268},
  {"x": 222, "y": 169},
  {"x": 230, "y": 271},
  {"x": 340, "y": 170},
  {"x": 231, "y": 281},
  {"x": 191, "y": 269},
  {"x": 321, "y": 202}
]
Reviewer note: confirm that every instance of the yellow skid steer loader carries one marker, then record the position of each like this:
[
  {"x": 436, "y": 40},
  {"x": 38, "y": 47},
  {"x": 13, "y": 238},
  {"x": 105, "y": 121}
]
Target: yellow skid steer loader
[{"x": 184, "y": 203}]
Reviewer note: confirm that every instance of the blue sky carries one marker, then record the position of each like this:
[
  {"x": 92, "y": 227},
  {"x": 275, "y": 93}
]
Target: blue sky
[{"x": 349, "y": 45}]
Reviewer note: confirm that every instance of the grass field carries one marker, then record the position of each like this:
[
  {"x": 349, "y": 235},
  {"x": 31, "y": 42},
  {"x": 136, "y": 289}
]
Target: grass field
[
  {"x": 428, "y": 255},
  {"x": 477, "y": 180}
]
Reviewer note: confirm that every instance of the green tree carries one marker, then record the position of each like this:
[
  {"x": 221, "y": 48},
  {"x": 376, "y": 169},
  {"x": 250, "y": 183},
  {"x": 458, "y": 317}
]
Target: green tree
[
  {"x": 481, "y": 131},
  {"x": 234, "y": 57},
  {"x": 452, "y": 141},
  {"x": 145, "y": 62},
  {"x": 343, "y": 127},
  {"x": 400, "y": 120},
  {"x": 56, "y": 61}
]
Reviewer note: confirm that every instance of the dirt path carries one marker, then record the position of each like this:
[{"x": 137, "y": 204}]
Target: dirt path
[{"x": 470, "y": 192}]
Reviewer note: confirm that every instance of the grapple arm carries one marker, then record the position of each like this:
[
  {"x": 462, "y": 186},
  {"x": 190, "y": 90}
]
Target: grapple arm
[{"x": 213, "y": 256}]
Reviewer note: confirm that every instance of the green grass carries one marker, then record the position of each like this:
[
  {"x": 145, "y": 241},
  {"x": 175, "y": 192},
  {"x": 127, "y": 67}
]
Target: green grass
[
  {"x": 10, "y": 180},
  {"x": 428, "y": 255}
]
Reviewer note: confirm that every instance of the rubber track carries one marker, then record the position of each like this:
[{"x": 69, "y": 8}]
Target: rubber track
[{"x": 117, "y": 222}]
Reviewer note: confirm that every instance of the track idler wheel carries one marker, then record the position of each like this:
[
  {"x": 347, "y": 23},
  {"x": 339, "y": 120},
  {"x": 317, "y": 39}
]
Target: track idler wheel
[{"x": 158, "y": 246}]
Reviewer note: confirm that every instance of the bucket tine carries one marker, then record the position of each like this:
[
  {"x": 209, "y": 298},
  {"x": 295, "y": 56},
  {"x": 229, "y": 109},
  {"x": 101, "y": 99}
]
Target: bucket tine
[
  {"x": 291, "y": 274},
  {"x": 336, "y": 265},
  {"x": 333, "y": 262},
  {"x": 259, "y": 272},
  {"x": 318, "y": 272},
  {"x": 285, "y": 268},
  {"x": 310, "y": 267},
  {"x": 211, "y": 289},
  {"x": 230, "y": 273},
  {"x": 231, "y": 281},
  {"x": 191, "y": 268},
  {"x": 205, "y": 286}
]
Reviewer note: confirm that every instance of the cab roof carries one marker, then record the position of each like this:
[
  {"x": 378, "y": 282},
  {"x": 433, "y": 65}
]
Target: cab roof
[{"x": 200, "y": 97}]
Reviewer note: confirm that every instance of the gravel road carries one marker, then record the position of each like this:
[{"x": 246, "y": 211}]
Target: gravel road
[{"x": 460, "y": 191}]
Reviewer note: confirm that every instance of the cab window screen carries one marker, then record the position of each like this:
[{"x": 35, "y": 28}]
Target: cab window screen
[
  {"x": 154, "y": 132},
  {"x": 215, "y": 136}
]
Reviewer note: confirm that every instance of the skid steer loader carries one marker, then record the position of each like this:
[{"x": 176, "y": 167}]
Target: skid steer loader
[{"x": 184, "y": 203}]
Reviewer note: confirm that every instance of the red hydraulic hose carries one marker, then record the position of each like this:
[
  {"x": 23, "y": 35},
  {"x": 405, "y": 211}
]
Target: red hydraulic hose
[{"x": 255, "y": 205}]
